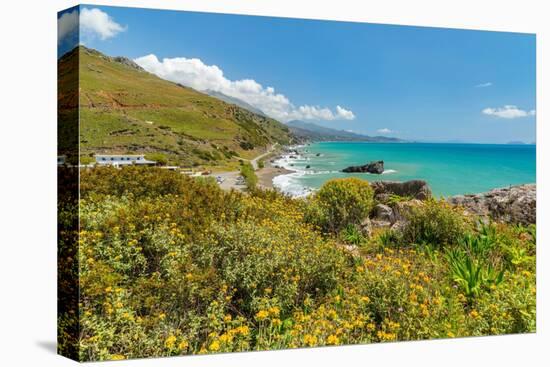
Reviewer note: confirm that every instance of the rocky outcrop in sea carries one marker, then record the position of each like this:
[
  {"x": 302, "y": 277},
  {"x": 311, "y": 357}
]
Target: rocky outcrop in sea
[{"x": 376, "y": 167}]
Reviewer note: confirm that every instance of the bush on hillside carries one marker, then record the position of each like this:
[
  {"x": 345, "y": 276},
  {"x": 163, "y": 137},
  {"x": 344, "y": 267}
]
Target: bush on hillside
[
  {"x": 341, "y": 202},
  {"x": 160, "y": 158},
  {"x": 250, "y": 178},
  {"x": 434, "y": 222}
]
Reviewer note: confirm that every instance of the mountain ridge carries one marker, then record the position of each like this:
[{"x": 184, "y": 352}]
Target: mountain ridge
[{"x": 314, "y": 132}]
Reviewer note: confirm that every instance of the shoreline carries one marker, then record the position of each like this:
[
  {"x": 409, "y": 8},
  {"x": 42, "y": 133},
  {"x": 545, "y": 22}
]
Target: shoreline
[{"x": 267, "y": 174}]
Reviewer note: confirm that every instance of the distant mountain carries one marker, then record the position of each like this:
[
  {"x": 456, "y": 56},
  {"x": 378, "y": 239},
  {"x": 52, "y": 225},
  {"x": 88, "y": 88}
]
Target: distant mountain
[
  {"x": 235, "y": 101},
  {"x": 516, "y": 142},
  {"x": 313, "y": 132}
]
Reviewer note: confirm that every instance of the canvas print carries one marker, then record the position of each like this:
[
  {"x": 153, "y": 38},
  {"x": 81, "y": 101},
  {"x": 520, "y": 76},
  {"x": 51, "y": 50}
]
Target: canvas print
[{"x": 234, "y": 183}]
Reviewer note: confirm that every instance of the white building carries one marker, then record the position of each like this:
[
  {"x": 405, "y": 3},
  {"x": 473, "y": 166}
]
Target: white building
[{"x": 122, "y": 160}]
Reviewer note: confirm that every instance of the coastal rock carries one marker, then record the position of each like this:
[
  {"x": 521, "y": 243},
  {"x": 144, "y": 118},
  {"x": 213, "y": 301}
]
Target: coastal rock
[
  {"x": 417, "y": 189},
  {"x": 514, "y": 204},
  {"x": 383, "y": 213},
  {"x": 376, "y": 167},
  {"x": 366, "y": 227}
]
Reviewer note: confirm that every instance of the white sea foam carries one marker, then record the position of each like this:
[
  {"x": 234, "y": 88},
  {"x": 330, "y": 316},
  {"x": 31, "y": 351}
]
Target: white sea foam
[
  {"x": 388, "y": 171},
  {"x": 290, "y": 185}
]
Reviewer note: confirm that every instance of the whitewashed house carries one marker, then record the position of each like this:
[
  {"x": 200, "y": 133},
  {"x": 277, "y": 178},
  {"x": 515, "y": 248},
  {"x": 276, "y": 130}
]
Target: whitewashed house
[{"x": 118, "y": 160}]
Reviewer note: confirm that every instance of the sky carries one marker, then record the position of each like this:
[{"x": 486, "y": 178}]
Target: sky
[{"x": 415, "y": 83}]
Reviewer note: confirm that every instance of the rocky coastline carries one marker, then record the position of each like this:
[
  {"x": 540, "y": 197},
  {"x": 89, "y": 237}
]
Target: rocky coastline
[{"x": 511, "y": 205}]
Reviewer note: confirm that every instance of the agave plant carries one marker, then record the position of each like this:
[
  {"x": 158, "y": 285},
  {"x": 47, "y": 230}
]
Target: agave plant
[
  {"x": 478, "y": 245},
  {"x": 472, "y": 275},
  {"x": 352, "y": 235}
]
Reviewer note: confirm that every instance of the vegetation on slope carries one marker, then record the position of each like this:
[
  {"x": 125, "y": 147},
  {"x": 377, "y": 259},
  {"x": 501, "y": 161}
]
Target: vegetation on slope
[
  {"x": 172, "y": 265},
  {"x": 124, "y": 109}
]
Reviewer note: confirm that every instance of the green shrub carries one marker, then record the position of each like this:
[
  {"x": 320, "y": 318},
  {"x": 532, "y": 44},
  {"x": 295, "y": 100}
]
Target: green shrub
[
  {"x": 434, "y": 222},
  {"x": 394, "y": 199},
  {"x": 160, "y": 158},
  {"x": 341, "y": 202},
  {"x": 86, "y": 159},
  {"x": 250, "y": 178},
  {"x": 172, "y": 265}
]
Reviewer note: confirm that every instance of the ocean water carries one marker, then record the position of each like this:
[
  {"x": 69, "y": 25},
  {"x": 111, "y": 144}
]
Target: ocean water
[{"x": 449, "y": 169}]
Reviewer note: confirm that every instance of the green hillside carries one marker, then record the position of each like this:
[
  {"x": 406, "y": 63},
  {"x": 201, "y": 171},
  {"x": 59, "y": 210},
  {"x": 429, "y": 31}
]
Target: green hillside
[{"x": 124, "y": 109}]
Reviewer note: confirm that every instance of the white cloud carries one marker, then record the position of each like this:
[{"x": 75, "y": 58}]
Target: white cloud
[
  {"x": 385, "y": 131},
  {"x": 345, "y": 114},
  {"x": 508, "y": 112},
  {"x": 67, "y": 27},
  {"x": 196, "y": 74},
  {"x": 484, "y": 85},
  {"x": 96, "y": 23}
]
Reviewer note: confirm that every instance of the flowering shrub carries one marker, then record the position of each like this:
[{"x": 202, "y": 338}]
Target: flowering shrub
[
  {"x": 436, "y": 223},
  {"x": 341, "y": 202},
  {"x": 171, "y": 265}
]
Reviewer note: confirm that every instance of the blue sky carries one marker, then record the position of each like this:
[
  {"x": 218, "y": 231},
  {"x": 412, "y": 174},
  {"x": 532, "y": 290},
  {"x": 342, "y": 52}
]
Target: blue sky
[{"x": 416, "y": 83}]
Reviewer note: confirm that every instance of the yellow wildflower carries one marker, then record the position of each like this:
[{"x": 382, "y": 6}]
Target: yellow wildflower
[
  {"x": 261, "y": 315},
  {"x": 170, "y": 342},
  {"x": 333, "y": 340},
  {"x": 183, "y": 345},
  {"x": 214, "y": 346}
]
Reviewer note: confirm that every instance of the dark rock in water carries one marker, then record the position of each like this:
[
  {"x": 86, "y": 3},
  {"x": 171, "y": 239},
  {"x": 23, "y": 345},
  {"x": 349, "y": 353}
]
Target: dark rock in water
[
  {"x": 515, "y": 204},
  {"x": 372, "y": 167},
  {"x": 292, "y": 157},
  {"x": 416, "y": 189},
  {"x": 308, "y": 166},
  {"x": 318, "y": 154}
]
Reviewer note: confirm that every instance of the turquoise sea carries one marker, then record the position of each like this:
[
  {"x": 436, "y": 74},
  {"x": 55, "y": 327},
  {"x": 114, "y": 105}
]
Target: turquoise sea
[{"x": 449, "y": 169}]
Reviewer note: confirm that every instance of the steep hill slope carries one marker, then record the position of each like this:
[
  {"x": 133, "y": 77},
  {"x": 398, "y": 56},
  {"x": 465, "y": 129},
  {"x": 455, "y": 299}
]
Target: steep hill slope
[{"x": 124, "y": 109}]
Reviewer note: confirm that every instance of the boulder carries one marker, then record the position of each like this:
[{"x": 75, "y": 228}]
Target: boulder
[
  {"x": 514, "y": 204},
  {"x": 366, "y": 227},
  {"x": 417, "y": 189},
  {"x": 383, "y": 212},
  {"x": 376, "y": 167}
]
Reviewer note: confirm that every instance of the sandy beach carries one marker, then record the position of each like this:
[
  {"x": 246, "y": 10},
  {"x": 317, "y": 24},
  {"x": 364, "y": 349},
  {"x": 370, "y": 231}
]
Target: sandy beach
[{"x": 268, "y": 173}]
